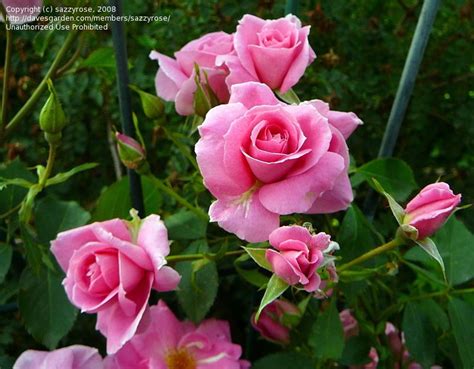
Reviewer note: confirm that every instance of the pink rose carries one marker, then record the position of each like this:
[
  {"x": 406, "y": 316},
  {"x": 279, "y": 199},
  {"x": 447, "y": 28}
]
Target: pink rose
[
  {"x": 299, "y": 255},
  {"x": 349, "y": 324},
  {"x": 428, "y": 210},
  {"x": 175, "y": 77},
  {"x": 21, "y": 11},
  {"x": 72, "y": 357},
  {"x": 111, "y": 268},
  {"x": 274, "y": 52},
  {"x": 261, "y": 159},
  {"x": 271, "y": 324},
  {"x": 168, "y": 343}
]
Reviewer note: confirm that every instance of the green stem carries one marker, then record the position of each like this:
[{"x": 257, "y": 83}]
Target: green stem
[
  {"x": 43, "y": 85},
  {"x": 190, "y": 257},
  {"x": 49, "y": 166},
  {"x": 6, "y": 69},
  {"x": 372, "y": 253},
  {"x": 169, "y": 191}
]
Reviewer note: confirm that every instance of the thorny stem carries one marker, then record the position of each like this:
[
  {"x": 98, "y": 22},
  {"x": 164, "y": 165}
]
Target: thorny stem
[
  {"x": 372, "y": 253},
  {"x": 190, "y": 257}
]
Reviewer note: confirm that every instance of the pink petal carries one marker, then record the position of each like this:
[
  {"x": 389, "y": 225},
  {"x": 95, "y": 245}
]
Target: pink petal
[
  {"x": 119, "y": 327},
  {"x": 210, "y": 152},
  {"x": 166, "y": 279},
  {"x": 67, "y": 242},
  {"x": 346, "y": 123},
  {"x": 284, "y": 233},
  {"x": 153, "y": 238},
  {"x": 252, "y": 94},
  {"x": 246, "y": 35},
  {"x": 281, "y": 267},
  {"x": 249, "y": 220},
  {"x": 301, "y": 61},
  {"x": 172, "y": 74},
  {"x": 297, "y": 194},
  {"x": 336, "y": 199}
]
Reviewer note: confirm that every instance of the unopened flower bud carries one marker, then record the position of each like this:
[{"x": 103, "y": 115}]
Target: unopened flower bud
[
  {"x": 52, "y": 119},
  {"x": 131, "y": 153}
]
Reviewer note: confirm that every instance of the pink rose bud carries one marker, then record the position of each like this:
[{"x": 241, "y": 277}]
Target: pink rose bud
[
  {"x": 131, "y": 153},
  {"x": 428, "y": 210},
  {"x": 111, "y": 268},
  {"x": 271, "y": 323},
  {"x": 72, "y": 357},
  {"x": 274, "y": 52},
  {"x": 297, "y": 256},
  {"x": 166, "y": 342},
  {"x": 175, "y": 79},
  {"x": 394, "y": 340},
  {"x": 349, "y": 324},
  {"x": 21, "y": 11}
]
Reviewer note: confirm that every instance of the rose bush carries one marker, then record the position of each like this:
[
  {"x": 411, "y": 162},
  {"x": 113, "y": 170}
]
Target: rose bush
[{"x": 274, "y": 165}]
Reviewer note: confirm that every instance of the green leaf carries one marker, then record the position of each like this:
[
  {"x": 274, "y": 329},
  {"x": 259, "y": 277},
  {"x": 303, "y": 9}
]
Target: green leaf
[
  {"x": 101, "y": 58},
  {"x": 11, "y": 196},
  {"x": 258, "y": 255},
  {"x": 284, "y": 360},
  {"x": 5, "y": 259},
  {"x": 253, "y": 276},
  {"x": 115, "y": 202},
  {"x": 397, "y": 211},
  {"x": 435, "y": 313},
  {"x": 356, "y": 351},
  {"x": 357, "y": 235},
  {"x": 461, "y": 314},
  {"x": 454, "y": 243},
  {"x": 395, "y": 176},
  {"x": 419, "y": 334},
  {"x": 63, "y": 177},
  {"x": 429, "y": 246},
  {"x": 198, "y": 287},
  {"x": 54, "y": 216},
  {"x": 327, "y": 336},
  {"x": 275, "y": 288},
  {"x": 185, "y": 225},
  {"x": 290, "y": 96},
  {"x": 47, "y": 313}
]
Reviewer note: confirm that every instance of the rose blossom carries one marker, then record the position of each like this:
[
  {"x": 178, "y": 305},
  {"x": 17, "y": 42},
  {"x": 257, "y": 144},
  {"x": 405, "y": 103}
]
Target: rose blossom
[
  {"x": 72, "y": 357},
  {"x": 261, "y": 159},
  {"x": 274, "y": 52},
  {"x": 168, "y": 343},
  {"x": 271, "y": 323},
  {"x": 430, "y": 208},
  {"x": 299, "y": 255},
  {"x": 111, "y": 268},
  {"x": 175, "y": 77},
  {"x": 21, "y": 11}
]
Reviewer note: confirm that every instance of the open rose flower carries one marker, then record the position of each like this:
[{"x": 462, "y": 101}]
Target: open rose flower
[
  {"x": 428, "y": 210},
  {"x": 271, "y": 323},
  {"x": 168, "y": 343},
  {"x": 72, "y": 357},
  {"x": 274, "y": 52},
  {"x": 262, "y": 159},
  {"x": 111, "y": 273},
  {"x": 21, "y": 11},
  {"x": 175, "y": 78},
  {"x": 296, "y": 255}
]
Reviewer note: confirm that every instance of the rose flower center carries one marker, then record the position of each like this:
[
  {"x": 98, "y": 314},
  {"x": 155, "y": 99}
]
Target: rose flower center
[{"x": 180, "y": 359}]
